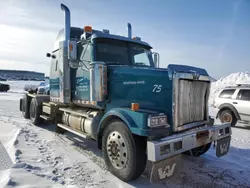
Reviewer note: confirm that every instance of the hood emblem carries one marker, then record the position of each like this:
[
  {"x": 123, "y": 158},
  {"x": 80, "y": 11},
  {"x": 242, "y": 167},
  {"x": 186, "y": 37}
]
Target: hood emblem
[{"x": 196, "y": 76}]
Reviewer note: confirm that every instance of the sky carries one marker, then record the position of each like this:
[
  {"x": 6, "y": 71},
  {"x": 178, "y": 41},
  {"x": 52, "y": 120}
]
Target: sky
[{"x": 211, "y": 34}]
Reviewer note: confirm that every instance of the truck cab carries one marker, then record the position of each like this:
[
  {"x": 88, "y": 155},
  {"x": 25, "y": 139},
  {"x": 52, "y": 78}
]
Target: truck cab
[{"x": 110, "y": 88}]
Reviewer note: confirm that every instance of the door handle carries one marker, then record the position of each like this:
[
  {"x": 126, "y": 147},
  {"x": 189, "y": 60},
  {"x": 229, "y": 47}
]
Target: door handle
[{"x": 235, "y": 103}]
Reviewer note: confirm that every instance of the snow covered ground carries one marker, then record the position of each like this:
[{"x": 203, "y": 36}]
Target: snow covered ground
[{"x": 40, "y": 158}]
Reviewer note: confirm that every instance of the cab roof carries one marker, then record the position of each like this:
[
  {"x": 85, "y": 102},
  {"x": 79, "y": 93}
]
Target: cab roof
[
  {"x": 76, "y": 33},
  {"x": 99, "y": 34}
]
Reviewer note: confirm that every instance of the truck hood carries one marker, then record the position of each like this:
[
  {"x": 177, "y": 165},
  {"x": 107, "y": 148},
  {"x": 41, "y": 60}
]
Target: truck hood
[{"x": 150, "y": 87}]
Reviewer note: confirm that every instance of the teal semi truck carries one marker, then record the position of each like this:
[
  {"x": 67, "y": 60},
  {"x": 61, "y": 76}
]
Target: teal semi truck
[{"x": 110, "y": 89}]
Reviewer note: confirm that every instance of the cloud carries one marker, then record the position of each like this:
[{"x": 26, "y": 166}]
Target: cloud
[
  {"x": 25, "y": 45},
  {"x": 28, "y": 30},
  {"x": 25, "y": 37},
  {"x": 22, "y": 65}
]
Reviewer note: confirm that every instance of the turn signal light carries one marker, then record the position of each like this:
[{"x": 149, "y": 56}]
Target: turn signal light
[
  {"x": 135, "y": 106},
  {"x": 70, "y": 47}
]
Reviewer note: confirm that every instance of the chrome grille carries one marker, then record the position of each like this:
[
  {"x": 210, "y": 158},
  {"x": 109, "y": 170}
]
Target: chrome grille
[{"x": 191, "y": 98}]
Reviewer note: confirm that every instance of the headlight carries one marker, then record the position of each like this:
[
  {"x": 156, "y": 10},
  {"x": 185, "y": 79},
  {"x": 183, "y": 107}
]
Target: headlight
[{"x": 157, "y": 121}]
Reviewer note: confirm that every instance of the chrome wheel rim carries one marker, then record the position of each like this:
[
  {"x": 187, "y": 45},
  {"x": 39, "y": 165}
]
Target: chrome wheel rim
[{"x": 117, "y": 150}]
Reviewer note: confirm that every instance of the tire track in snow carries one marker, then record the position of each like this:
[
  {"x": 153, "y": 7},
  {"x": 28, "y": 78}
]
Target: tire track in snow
[{"x": 77, "y": 174}]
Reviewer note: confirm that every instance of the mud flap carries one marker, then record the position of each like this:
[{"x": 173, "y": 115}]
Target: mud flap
[
  {"x": 165, "y": 168},
  {"x": 223, "y": 146}
]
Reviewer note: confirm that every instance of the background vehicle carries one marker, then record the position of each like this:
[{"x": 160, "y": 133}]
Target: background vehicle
[
  {"x": 4, "y": 87},
  {"x": 110, "y": 88},
  {"x": 31, "y": 88},
  {"x": 233, "y": 104},
  {"x": 43, "y": 89}
]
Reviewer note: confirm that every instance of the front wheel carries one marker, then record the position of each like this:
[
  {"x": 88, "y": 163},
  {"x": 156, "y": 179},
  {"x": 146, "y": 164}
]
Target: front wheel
[{"x": 124, "y": 153}]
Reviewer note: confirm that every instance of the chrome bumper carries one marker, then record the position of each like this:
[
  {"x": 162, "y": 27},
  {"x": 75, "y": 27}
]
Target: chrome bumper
[{"x": 178, "y": 143}]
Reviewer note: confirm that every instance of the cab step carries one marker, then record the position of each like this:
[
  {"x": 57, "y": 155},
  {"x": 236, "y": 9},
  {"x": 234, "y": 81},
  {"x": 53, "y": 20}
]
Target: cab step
[
  {"x": 46, "y": 103},
  {"x": 88, "y": 113},
  {"x": 76, "y": 132},
  {"x": 45, "y": 117}
]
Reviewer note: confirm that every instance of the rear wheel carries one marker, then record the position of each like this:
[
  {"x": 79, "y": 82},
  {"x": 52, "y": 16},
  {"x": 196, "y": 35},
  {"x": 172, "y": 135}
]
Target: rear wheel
[
  {"x": 227, "y": 116},
  {"x": 35, "y": 112},
  {"x": 196, "y": 152},
  {"x": 25, "y": 107},
  {"x": 124, "y": 153}
]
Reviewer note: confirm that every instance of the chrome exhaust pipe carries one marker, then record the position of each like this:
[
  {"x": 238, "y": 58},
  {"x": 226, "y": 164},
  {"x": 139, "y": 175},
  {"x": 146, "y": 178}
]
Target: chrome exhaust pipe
[
  {"x": 129, "y": 30},
  {"x": 67, "y": 22},
  {"x": 65, "y": 93}
]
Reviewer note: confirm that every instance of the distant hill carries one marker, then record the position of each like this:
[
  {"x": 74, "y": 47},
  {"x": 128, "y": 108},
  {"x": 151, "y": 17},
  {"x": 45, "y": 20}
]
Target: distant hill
[{"x": 20, "y": 75}]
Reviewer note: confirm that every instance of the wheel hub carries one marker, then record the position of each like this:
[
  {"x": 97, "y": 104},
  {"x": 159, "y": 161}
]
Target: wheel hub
[
  {"x": 227, "y": 118},
  {"x": 117, "y": 150}
]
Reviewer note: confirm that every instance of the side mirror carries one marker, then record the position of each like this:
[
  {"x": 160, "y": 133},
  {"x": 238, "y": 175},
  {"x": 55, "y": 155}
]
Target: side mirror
[
  {"x": 48, "y": 54},
  {"x": 156, "y": 58},
  {"x": 72, "y": 50}
]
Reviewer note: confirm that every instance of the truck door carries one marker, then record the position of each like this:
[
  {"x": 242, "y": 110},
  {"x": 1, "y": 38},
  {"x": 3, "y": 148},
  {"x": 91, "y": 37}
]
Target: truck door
[
  {"x": 82, "y": 80},
  {"x": 242, "y": 104}
]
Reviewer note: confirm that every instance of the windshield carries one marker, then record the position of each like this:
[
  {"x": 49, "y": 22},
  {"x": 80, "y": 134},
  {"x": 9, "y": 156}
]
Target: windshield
[{"x": 122, "y": 53}]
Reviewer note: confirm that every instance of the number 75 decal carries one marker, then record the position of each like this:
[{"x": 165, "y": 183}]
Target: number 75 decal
[{"x": 157, "y": 88}]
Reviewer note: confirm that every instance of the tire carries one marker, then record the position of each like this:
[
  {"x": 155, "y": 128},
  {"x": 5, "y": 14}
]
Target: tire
[
  {"x": 25, "y": 107},
  {"x": 134, "y": 158},
  {"x": 20, "y": 104},
  {"x": 227, "y": 116},
  {"x": 35, "y": 112},
  {"x": 196, "y": 152}
]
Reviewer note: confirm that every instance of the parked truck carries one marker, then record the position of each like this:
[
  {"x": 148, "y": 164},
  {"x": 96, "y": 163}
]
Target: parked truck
[{"x": 110, "y": 89}]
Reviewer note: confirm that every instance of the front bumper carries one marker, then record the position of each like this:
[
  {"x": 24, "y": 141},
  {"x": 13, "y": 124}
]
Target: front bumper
[{"x": 178, "y": 143}]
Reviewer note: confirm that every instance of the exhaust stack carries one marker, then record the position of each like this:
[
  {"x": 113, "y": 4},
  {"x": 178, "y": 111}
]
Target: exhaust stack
[
  {"x": 129, "y": 30},
  {"x": 65, "y": 88},
  {"x": 67, "y": 22}
]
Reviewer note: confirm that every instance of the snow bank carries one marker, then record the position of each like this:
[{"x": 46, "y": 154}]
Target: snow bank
[
  {"x": 8, "y": 137},
  {"x": 232, "y": 79},
  {"x": 4, "y": 177}
]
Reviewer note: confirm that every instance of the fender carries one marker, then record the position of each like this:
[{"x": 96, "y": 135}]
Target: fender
[
  {"x": 134, "y": 120},
  {"x": 229, "y": 106},
  {"x": 124, "y": 115}
]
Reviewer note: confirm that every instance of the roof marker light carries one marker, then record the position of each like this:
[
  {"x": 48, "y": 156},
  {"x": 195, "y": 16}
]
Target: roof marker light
[{"x": 87, "y": 29}]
